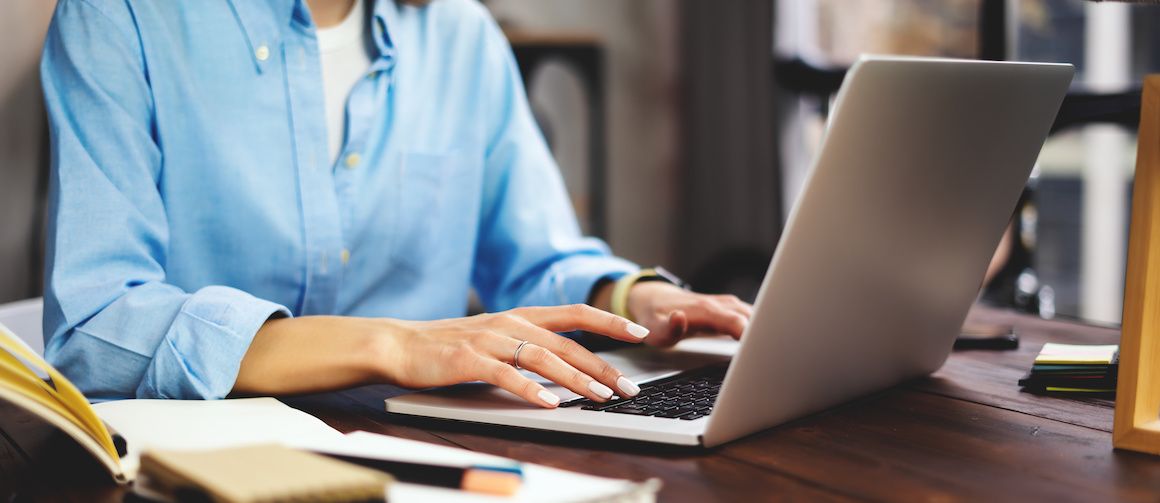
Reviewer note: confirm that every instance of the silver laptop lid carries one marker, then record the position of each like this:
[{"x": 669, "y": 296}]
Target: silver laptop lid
[{"x": 884, "y": 251}]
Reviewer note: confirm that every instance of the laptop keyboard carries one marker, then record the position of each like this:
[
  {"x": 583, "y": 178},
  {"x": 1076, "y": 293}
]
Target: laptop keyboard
[{"x": 688, "y": 395}]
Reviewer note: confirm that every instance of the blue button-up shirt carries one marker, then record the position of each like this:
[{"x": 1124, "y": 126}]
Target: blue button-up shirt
[{"x": 192, "y": 197}]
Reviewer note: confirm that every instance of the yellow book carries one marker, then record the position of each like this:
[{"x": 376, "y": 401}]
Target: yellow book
[{"x": 38, "y": 405}]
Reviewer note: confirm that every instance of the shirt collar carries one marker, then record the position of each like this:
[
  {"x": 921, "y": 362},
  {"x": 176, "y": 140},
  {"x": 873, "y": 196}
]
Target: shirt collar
[
  {"x": 385, "y": 18},
  {"x": 263, "y": 24}
]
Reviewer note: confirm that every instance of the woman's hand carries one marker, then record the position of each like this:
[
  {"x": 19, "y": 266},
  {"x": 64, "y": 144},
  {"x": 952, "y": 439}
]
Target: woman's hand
[
  {"x": 420, "y": 354},
  {"x": 671, "y": 313}
]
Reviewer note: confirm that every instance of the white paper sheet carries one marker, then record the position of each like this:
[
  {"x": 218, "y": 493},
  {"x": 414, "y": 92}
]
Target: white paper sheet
[{"x": 209, "y": 424}]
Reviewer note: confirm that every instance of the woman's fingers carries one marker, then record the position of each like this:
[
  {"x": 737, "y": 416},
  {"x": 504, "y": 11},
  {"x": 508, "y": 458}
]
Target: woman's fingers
[
  {"x": 715, "y": 316},
  {"x": 670, "y": 331},
  {"x": 603, "y": 377},
  {"x": 732, "y": 302},
  {"x": 541, "y": 361},
  {"x": 507, "y": 377},
  {"x": 582, "y": 317}
]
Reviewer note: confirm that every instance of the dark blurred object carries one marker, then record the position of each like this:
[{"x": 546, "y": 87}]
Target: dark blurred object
[
  {"x": 979, "y": 336},
  {"x": 1017, "y": 284},
  {"x": 730, "y": 187},
  {"x": 736, "y": 271},
  {"x": 23, "y": 148}
]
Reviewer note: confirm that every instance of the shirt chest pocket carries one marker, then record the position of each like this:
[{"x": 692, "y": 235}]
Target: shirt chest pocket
[{"x": 438, "y": 203}]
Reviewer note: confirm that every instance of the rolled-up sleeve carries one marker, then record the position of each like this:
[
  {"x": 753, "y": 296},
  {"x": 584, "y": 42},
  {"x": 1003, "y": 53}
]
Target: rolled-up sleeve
[
  {"x": 531, "y": 251},
  {"x": 112, "y": 323}
]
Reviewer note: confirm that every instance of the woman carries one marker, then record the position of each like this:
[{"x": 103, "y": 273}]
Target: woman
[{"x": 260, "y": 197}]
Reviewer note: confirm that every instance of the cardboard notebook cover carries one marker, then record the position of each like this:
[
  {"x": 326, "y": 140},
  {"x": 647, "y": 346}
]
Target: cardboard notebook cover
[{"x": 268, "y": 473}]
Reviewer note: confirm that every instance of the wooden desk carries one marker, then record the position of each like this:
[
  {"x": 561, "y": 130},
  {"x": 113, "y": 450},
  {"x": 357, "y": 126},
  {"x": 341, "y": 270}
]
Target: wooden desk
[{"x": 967, "y": 433}]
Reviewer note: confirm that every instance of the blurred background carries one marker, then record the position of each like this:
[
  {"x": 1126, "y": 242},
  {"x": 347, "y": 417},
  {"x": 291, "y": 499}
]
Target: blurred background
[{"x": 684, "y": 128}]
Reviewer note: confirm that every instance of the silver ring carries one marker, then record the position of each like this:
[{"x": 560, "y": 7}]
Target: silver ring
[{"x": 516, "y": 357}]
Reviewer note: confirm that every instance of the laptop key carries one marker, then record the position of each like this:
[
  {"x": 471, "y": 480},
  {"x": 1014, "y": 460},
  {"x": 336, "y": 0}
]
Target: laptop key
[
  {"x": 630, "y": 409},
  {"x": 677, "y": 412},
  {"x": 692, "y": 416},
  {"x": 606, "y": 405}
]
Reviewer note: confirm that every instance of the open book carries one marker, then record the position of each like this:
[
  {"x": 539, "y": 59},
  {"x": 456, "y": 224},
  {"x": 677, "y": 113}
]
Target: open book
[{"x": 38, "y": 405}]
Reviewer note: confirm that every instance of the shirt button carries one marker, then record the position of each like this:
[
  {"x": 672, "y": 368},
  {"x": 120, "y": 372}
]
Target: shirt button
[
  {"x": 262, "y": 53},
  {"x": 352, "y": 161},
  {"x": 345, "y": 256}
]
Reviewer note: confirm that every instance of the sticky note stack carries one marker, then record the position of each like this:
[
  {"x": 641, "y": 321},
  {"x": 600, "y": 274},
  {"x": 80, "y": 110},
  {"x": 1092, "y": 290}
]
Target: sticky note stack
[{"x": 1072, "y": 368}]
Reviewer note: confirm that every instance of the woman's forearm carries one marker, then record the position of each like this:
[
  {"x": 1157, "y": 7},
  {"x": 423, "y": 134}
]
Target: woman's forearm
[{"x": 312, "y": 354}]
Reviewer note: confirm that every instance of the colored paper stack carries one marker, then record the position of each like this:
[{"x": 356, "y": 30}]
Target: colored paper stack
[{"x": 1073, "y": 368}]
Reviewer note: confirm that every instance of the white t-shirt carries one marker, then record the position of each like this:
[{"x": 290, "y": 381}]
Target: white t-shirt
[{"x": 345, "y": 51}]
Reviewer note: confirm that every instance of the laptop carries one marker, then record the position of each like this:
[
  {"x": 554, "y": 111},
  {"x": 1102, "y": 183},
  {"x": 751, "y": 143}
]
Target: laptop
[{"x": 920, "y": 168}]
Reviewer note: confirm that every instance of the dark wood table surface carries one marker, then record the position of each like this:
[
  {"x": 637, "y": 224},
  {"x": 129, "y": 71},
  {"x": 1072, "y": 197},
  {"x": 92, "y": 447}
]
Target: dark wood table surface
[{"x": 965, "y": 433}]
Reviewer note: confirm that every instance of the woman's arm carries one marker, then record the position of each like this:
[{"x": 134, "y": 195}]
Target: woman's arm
[
  {"x": 113, "y": 322},
  {"x": 311, "y": 354}
]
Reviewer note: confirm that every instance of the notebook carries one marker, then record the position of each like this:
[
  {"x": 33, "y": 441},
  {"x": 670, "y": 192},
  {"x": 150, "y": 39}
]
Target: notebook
[
  {"x": 1073, "y": 368},
  {"x": 266, "y": 473},
  {"x": 212, "y": 424}
]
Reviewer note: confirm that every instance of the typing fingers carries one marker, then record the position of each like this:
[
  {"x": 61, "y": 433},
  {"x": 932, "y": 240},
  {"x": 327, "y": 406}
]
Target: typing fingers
[
  {"x": 671, "y": 330},
  {"x": 735, "y": 304},
  {"x": 712, "y": 315},
  {"x": 599, "y": 377},
  {"x": 507, "y": 377},
  {"x": 582, "y": 317},
  {"x": 536, "y": 358}
]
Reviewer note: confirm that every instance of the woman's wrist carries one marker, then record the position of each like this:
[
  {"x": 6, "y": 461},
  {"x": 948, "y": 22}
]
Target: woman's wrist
[
  {"x": 601, "y": 297},
  {"x": 385, "y": 341}
]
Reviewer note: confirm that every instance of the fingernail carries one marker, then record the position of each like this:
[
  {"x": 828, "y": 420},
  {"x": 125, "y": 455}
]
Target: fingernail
[
  {"x": 627, "y": 387},
  {"x": 548, "y": 397},
  {"x": 601, "y": 390},
  {"x": 637, "y": 331}
]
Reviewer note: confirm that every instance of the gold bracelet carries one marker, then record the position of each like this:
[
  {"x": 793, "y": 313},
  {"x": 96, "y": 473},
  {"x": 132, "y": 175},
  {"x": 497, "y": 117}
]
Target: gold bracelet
[{"x": 619, "y": 301}]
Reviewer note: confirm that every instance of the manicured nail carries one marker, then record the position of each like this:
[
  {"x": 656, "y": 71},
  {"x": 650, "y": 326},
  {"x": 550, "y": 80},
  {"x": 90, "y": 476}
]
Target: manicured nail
[
  {"x": 628, "y": 388},
  {"x": 601, "y": 390},
  {"x": 548, "y": 397},
  {"x": 637, "y": 331}
]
